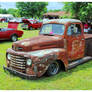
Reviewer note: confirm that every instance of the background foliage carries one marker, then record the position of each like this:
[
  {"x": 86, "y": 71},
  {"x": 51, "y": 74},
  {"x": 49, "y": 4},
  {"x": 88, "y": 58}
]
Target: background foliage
[
  {"x": 33, "y": 9},
  {"x": 27, "y": 9},
  {"x": 79, "y": 10},
  {"x": 14, "y": 12},
  {"x": 56, "y": 10}
]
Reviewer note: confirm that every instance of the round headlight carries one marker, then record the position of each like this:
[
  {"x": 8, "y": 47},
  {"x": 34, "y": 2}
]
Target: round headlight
[
  {"x": 29, "y": 62},
  {"x": 8, "y": 56}
]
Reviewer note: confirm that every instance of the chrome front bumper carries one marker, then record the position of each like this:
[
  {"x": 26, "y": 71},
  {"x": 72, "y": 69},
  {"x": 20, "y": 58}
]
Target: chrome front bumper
[{"x": 22, "y": 75}]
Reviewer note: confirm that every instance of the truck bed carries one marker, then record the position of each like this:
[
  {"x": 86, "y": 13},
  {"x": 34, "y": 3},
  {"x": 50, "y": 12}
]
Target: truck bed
[
  {"x": 88, "y": 44},
  {"x": 87, "y": 36}
]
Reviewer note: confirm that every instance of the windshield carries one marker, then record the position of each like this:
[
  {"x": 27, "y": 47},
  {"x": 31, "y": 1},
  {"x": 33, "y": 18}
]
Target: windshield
[{"x": 52, "y": 29}]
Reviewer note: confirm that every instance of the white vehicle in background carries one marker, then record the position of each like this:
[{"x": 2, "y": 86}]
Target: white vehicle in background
[
  {"x": 19, "y": 20},
  {"x": 45, "y": 19},
  {"x": 6, "y": 17}
]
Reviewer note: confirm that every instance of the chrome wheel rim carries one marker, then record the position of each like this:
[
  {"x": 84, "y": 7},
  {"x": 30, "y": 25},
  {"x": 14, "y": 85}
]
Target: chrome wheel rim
[
  {"x": 53, "y": 68},
  {"x": 14, "y": 38}
]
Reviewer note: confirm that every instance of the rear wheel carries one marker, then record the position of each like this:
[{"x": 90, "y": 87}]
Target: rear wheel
[
  {"x": 24, "y": 28},
  {"x": 3, "y": 21},
  {"x": 14, "y": 38},
  {"x": 53, "y": 68},
  {"x": 30, "y": 28}
]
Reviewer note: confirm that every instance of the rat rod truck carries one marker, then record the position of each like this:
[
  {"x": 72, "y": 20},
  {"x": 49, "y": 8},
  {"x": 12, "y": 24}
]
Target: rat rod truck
[{"x": 61, "y": 45}]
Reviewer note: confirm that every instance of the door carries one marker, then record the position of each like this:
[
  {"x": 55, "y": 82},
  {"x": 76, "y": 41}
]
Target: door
[
  {"x": 3, "y": 34},
  {"x": 75, "y": 41}
]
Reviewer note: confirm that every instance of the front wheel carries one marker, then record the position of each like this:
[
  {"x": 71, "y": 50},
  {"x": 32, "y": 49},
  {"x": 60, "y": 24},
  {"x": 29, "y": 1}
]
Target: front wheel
[
  {"x": 53, "y": 68},
  {"x": 14, "y": 38}
]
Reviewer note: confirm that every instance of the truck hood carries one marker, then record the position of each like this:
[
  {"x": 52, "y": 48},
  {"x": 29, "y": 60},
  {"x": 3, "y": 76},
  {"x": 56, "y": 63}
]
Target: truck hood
[
  {"x": 38, "y": 43},
  {"x": 28, "y": 21},
  {"x": 13, "y": 25},
  {"x": 25, "y": 21}
]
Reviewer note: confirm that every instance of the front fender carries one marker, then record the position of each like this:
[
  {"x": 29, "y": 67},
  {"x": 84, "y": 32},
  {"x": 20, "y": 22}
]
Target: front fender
[
  {"x": 42, "y": 59},
  {"x": 46, "y": 57}
]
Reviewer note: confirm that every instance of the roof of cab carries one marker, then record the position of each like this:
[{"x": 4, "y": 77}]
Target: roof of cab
[{"x": 61, "y": 21}]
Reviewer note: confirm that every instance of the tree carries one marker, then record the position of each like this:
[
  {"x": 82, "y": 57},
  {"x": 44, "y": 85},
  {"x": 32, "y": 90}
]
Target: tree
[
  {"x": 14, "y": 12},
  {"x": 31, "y": 9},
  {"x": 66, "y": 16},
  {"x": 3, "y": 11},
  {"x": 56, "y": 10},
  {"x": 0, "y": 9},
  {"x": 79, "y": 10}
]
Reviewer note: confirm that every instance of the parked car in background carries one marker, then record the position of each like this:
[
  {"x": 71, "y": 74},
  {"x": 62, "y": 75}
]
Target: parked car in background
[
  {"x": 11, "y": 32},
  {"x": 2, "y": 19},
  {"x": 19, "y": 20},
  {"x": 31, "y": 23},
  {"x": 6, "y": 17}
]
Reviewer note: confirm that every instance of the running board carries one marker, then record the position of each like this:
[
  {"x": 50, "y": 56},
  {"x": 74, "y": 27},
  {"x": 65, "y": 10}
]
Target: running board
[{"x": 78, "y": 62}]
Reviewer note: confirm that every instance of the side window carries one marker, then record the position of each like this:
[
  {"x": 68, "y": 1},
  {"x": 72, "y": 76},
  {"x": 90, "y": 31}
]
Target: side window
[
  {"x": 69, "y": 32},
  {"x": 78, "y": 27},
  {"x": 74, "y": 29},
  {"x": 3, "y": 29}
]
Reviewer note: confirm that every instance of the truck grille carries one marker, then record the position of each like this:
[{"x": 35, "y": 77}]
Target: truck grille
[{"x": 18, "y": 63}]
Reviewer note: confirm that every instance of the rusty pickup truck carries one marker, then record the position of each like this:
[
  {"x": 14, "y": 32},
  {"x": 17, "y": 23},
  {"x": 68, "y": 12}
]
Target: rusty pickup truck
[{"x": 61, "y": 45}]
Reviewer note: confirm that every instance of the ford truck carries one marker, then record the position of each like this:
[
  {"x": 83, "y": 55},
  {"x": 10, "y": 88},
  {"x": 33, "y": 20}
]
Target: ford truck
[{"x": 61, "y": 45}]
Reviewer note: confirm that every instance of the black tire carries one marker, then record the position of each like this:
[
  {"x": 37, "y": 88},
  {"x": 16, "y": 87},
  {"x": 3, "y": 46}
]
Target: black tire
[
  {"x": 30, "y": 28},
  {"x": 36, "y": 28},
  {"x": 24, "y": 28},
  {"x": 3, "y": 21},
  {"x": 53, "y": 68},
  {"x": 14, "y": 38}
]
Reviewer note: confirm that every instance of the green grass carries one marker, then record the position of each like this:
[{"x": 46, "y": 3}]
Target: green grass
[{"x": 79, "y": 78}]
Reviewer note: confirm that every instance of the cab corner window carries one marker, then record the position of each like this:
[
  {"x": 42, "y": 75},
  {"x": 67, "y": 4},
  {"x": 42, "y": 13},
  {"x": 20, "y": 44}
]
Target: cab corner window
[{"x": 74, "y": 29}]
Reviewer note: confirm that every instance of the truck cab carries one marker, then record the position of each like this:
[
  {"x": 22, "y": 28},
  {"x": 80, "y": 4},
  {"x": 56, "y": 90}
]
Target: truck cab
[
  {"x": 61, "y": 45},
  {"x": 72, "y": 33}
]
